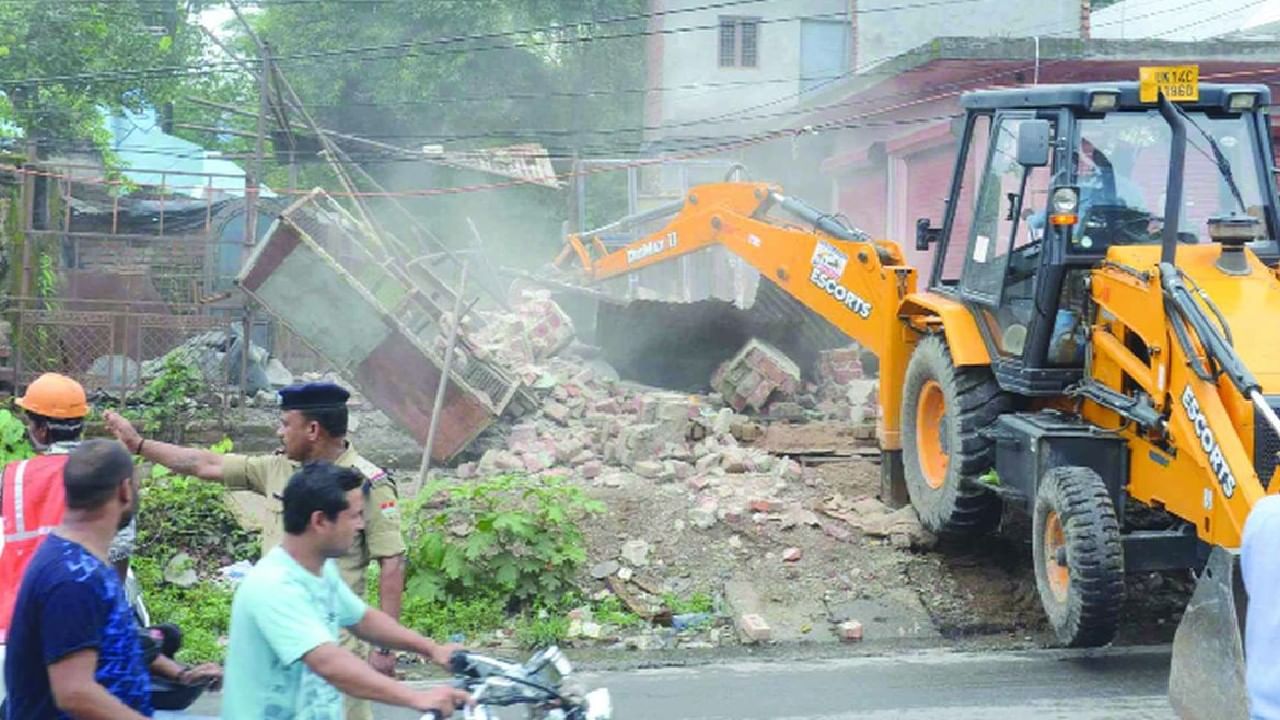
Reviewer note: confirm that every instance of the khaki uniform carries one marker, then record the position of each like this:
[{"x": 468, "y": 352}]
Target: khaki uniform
[{"x": 381, "y": 538}]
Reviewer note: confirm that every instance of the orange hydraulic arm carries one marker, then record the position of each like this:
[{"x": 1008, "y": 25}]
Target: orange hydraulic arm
[{"x": 852, "y": 281}]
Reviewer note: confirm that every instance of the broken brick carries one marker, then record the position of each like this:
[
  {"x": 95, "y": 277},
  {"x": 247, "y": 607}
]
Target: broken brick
[
  {"x": 557, "y": 412},
  {"x": 850, "y": 631},
  {"x": 754, "y": 627}
]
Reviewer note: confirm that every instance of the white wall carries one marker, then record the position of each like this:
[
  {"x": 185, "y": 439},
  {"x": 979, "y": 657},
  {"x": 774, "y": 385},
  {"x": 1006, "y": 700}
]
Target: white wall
[
  {"x": 691, "y": 58},
  {"x": 1180, "y": 20}
]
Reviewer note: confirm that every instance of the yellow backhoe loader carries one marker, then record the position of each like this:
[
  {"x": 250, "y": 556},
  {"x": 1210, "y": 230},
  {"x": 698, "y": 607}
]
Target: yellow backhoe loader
[{"x": 1100, "y": 327}]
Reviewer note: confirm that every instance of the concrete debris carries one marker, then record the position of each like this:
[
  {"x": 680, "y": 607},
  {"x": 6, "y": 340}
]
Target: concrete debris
[
  {"x": 705, "y": 515},
  {"x": 873, "y": 518},
  {"x": 216, "y": 354},
  {"x": 844, "y": 391},
  {"x": 602, "y": 570},
  {"x": 636, "y": 552},
  {"x": 534, "y": 330}
]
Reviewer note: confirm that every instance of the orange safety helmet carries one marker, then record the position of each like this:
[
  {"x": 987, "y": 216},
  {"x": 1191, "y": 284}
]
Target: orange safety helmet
[{"x": 55, "y": 396}]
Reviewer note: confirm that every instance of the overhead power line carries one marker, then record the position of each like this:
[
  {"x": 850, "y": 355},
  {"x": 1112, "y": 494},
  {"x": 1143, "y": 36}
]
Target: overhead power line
[{"x": 412, "y": 48}]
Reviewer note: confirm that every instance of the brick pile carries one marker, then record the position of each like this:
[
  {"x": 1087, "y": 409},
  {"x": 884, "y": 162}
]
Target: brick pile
[{"x": 758, "y": 373}]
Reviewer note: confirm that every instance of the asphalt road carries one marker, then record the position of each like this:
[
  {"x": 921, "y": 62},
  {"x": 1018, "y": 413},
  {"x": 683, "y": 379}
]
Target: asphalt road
[{"x": 1126, "y": 684}]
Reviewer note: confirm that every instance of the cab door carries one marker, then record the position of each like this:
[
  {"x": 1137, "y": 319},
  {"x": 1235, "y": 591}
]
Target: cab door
[{"x": 1002, "y": 257}]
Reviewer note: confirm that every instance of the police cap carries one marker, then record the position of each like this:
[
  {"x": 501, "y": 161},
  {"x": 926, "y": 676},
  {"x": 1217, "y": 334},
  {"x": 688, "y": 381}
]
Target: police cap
[{"x": 313, "y": 396}]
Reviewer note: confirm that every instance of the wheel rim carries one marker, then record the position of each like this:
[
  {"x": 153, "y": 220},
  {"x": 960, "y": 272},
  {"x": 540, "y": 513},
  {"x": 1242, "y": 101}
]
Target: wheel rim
[
  {"x": 1057, "y": 574},
  {"x": 931, "y": 410}
]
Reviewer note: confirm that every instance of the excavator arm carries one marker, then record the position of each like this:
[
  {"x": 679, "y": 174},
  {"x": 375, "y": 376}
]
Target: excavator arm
[{"x": 857, "y": 284}]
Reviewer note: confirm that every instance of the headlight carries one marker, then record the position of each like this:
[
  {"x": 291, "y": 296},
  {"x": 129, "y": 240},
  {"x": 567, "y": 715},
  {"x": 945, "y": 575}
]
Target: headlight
[
  {"x": 1062, "y": 205},
  {"x": 1103, "y": 101},
  {"x": 1065, "y": 200},
  {"x": 1242, "y": 102}
]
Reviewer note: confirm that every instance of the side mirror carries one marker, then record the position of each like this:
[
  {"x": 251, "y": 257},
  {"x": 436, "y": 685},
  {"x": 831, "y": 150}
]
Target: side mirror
[
  {"x": 926, "y": 235},
  {"x": 1033, "y": 143}
]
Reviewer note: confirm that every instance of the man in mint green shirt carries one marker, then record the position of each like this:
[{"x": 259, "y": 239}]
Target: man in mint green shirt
[{"x": 284, "y": 661}]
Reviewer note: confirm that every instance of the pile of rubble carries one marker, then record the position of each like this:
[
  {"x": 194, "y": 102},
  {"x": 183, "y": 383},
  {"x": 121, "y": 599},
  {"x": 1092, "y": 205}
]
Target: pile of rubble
[{"x": 593, "y": 426}]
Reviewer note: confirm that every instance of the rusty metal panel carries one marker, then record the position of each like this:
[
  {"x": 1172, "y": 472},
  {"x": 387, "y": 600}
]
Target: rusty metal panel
[{"x": 329, "y": 281}]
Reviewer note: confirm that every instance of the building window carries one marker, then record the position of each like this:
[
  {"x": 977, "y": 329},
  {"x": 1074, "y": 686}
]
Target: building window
[
  {"x": 824, "y": 52},
  {"x": 739, "y": 41}
]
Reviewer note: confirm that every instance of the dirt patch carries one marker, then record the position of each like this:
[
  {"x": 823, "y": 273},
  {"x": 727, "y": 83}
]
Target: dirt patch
[{"x": 964, "y": 591}]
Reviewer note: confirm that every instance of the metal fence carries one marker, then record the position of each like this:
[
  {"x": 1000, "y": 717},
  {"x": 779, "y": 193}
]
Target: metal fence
[
  {"x": 110, "y": 283},
  {"x": 117, "y": 350}
]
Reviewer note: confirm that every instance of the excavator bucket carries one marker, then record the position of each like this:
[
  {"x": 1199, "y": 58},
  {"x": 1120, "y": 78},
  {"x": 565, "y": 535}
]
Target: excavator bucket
[
  {"x": 1206, "y": 679},
  {"x": 678, "y": 345}
]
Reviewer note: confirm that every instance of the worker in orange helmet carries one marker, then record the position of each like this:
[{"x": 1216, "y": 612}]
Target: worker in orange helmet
[{"x": 32, "y": 492}]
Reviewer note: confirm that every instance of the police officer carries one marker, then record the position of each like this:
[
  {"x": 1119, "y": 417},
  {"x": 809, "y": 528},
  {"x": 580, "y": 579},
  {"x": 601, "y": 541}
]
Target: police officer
[{"x": 313, "y": 427}]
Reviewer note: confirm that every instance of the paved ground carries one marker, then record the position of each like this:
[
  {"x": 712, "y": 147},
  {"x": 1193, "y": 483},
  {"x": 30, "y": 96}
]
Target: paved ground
[{"x": 1128, "y": 684}]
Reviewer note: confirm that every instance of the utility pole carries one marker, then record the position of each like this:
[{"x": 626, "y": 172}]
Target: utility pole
[{"x": 259, "y": 150}]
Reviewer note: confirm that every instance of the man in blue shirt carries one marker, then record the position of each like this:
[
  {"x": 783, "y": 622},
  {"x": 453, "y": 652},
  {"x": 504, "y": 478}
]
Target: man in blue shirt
[
  {"x": 284, "y": 661},
  {"x": 73, "y": 649},
  {"x": 1260, "y": 570}
]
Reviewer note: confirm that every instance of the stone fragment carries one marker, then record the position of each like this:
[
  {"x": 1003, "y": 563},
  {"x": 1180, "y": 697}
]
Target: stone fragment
[
  {"x": 791, "y": 554},
  {"x": 707, "y": 462},
  {"x": 705, "y": 514},
  {"x": 602, "y": 570},
  {"x": 636, "y": 552},
  {"x": 648, "y": 468}
]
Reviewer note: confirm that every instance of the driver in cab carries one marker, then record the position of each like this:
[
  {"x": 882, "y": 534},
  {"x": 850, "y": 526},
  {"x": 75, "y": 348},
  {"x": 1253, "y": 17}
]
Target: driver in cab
[
  {"x": 1104, "y": 182},
  {"x": 1108, "y": 184}
]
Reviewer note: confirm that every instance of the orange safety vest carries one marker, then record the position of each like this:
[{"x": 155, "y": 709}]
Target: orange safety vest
[{"x": 33, "y": 501}]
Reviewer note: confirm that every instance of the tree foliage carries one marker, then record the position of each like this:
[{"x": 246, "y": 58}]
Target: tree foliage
[
  {"x": 481, "y": 72},
  {"x": 82, "y": 52}
]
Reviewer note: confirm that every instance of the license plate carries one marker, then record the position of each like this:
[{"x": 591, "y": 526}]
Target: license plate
[{"x": 1179, "y": 83}]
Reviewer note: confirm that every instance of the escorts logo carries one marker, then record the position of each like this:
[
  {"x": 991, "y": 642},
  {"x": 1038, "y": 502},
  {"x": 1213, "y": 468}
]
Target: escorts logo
[
  {"x": 651, "y": 248},
  {"x": 842, "y": 294},
  {"x": 1208, "y": 443}
]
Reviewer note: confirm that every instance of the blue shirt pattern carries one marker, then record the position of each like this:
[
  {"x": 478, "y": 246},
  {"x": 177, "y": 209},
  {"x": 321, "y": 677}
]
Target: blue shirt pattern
[{"x": 70, "y": 601}]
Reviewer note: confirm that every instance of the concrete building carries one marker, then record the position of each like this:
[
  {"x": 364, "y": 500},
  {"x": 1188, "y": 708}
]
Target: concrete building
[
  {"x": 718, "y": 71},
  {"x": 713, "y": 70}
]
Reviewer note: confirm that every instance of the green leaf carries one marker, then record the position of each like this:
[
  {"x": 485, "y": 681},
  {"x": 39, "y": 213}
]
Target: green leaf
[{"x": 507, "y": 575}]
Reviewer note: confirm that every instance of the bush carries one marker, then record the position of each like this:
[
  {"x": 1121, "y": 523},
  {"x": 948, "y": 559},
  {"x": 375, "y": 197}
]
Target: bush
[
  {"x": 13, "y": 439},
  {"x": 509, "y": 537},
  {"x": 185, "y": 514},
  {"x": 202, "y": 611},
  {"x": 182, "y": 514},
  {"x": 441, "y": 621}
]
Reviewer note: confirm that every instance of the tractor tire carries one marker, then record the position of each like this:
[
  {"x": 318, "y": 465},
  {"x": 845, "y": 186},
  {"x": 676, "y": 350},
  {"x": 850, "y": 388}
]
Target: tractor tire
[
  {"x": 943, "y": 408},
  {"x": 1079, "y": 560}
]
